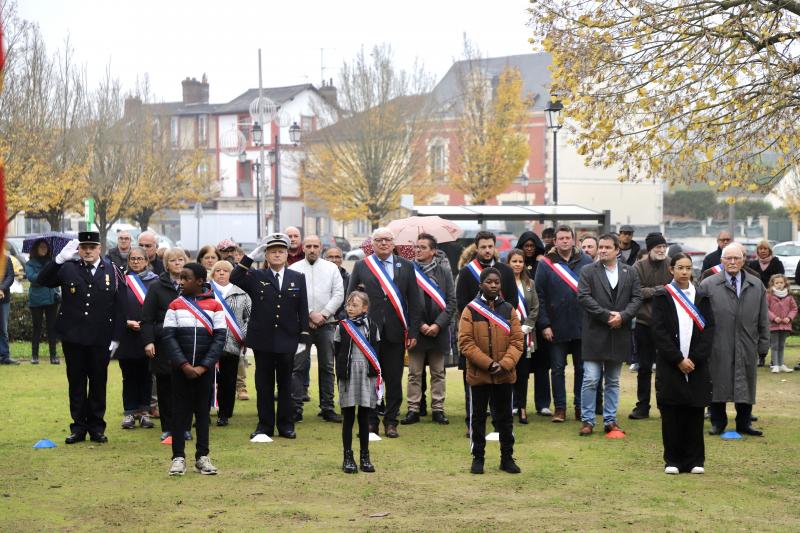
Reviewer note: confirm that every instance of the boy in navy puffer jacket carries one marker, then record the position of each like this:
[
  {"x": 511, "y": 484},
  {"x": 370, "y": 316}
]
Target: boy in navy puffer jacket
[{"x": 194, "y": 332}]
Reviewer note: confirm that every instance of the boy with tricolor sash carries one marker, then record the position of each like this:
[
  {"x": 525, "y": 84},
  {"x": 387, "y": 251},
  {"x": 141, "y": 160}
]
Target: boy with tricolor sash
[
  {"x": 490, "y": 338},
  {"x": 194, "y": 333}
]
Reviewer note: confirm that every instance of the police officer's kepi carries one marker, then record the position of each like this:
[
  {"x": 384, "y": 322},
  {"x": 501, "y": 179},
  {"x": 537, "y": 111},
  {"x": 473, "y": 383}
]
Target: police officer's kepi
[
  {"x": 88, "y": 237},
  {"x": 277, "y": 239}
]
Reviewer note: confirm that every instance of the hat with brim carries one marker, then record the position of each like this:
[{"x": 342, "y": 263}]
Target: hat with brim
[
  {"x": 277, "y": 239},
  {"x": 88, "y": 237}
]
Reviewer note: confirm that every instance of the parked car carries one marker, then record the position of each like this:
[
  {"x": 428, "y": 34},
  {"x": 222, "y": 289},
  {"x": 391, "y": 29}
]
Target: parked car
[
  {"x": 355, "y": 254},
  {"x": 789, "y": 254},
  {"x": 332, "y": 241},
  {"x": 17, "y": 241},
  {"x": 16, "y": 255}
]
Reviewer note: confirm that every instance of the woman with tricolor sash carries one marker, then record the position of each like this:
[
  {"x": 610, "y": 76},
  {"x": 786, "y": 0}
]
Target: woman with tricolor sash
[
  {"x": 683, "y": 332},
  {"x": 237, "y": 305},
  {"x": 528, "y": 311},
  {"x": 137, "y": 382}
]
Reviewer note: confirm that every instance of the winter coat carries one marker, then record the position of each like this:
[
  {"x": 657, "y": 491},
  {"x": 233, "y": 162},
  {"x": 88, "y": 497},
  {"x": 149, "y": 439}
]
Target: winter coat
[
  {"x": 343, "y": 348},
  {"x": 115, "y": 257},
  {"x": 775, "y": 266},
  {"x": 652, "y": 276},
  {"x": 597, "y": 299},
  {"x": 530, "y": 262},
  {"x": 532, "y": 309},
  {"x": 187, "y": 340},
  {"x": 558, "y": 303},
  {"x": 633, "y": 256},
  {"x": 433, "y": 314},
  {"x": 159, "y": 296},
  {"x": 38, "y": 294},
  {"x": 712, "y": 259},
  {"x": 672, "y": 385},
  {"x": 241, "y": 305},
  {"x": 778, "y": 307},
  {"x": 740, "y": 335},
  {"x": 482, "y": 342},
  {"x": 131, "y": 345}
]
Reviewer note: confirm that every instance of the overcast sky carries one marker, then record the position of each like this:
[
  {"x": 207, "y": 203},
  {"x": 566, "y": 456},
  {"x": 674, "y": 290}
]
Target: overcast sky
[{"x": 172, "y": 39}]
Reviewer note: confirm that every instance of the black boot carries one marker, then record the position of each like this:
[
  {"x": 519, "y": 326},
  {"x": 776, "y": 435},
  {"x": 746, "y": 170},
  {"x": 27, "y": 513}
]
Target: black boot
[
  {"x": 366, "y": 464},
  {"x": 761, "y": 359},
  {"x": 349, "y": 464},
  {"x": 507, "y": 464},
  {"x": 54, "y": 360},
  {"x": 477, "y": 465},
  {"x": 35, "y": 359}
]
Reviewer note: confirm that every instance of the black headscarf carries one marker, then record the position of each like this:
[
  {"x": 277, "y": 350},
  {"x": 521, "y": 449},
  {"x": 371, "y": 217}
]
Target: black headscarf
[{"x": 530, "y": 262}]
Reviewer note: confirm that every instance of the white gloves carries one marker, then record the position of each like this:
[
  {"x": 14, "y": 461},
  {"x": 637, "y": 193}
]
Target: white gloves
[
  {"x": 113, "y": 347},
  {"x": 68, "y": 253},
  {"x": 526, "y": 329},
  {"x": 300, "y": 348},
  {"x": 257, "y": 255}
]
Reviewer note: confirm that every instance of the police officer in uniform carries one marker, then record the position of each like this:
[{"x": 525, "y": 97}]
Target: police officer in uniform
[
  {"x": 278, "y": 329},
  {"x": 90, "y": 323}
]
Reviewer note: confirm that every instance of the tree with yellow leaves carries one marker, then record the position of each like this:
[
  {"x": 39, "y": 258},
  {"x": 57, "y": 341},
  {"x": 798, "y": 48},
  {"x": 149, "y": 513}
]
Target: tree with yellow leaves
[
  {"x": 491, "y": 149},
  {"x": 681, "y": 91},
  {"x": 361, "y": 165}
]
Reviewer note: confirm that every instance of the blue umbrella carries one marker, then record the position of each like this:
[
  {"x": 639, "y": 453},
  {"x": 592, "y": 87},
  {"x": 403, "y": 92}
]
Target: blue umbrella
[{"x": 56, "y": 240}]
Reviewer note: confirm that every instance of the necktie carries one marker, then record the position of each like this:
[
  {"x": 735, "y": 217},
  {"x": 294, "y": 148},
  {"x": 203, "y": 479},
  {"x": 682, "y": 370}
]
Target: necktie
[
  {"x": 733, "y": 284},
  {"x": 278, "y": 280}
]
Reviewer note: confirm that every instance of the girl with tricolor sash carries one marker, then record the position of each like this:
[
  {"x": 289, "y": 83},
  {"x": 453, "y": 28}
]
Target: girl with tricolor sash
[
  {"x": 528, "y": 311},
  {"x": 683, "y": 331},
  {"x": 356, "y": 348},
  {"x": 137, "y": 381}
]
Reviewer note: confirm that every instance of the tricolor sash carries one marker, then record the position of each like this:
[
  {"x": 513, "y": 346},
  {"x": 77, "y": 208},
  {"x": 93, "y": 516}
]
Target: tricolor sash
[
  {"x": 389, "y": 288},
  {"x": 368, "y": 351},
  {"x": 522, "y": 306},
  {"x": 482, "y": 309},
  {"x": 137, "y": 287},
  {"x": 682, "y": 302},
  {"x": 429, "y": 287},
  {"x": 475, "y": 267},
  {"x": 716, "y": 269},
  {"x": 230, "y": 318},
  {"x": 198, "y": 313},
  {"x": 564, "y": 272}
]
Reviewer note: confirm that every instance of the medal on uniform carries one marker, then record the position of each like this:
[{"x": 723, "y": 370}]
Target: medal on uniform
[
  {"x": 72, "y": 290},
  {"x": 108, "y": 281}
]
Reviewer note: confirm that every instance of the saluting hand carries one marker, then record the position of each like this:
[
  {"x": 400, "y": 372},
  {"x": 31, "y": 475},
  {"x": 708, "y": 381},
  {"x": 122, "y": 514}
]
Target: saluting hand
[
  {"x": 257, "y": 255},
  {"x": 69, "y": 252}
]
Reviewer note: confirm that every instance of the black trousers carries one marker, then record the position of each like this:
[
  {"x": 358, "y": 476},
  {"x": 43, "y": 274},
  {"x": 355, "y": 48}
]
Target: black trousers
[
  {"x": 540, "y": 368},
  {"x": 87, "y": 365},
  {"x": 719, "y": 418},
  {"x": 191, "y": 397},
  {"x": 137, "y": 385},
  {"x": 226, "y": 384},
  {"x": 646, "y": 354},
  {"x": 164, "y": 393},
  {"x": 391, "y": 359},
  {"x": 272, "y": 368},
  {"x": 348, "y": 420},
  {"x": 682, "y": 433},
  {"x": 500, "y": 395},
  {"x": 39, "y": 315},
  {"x": 521, "y": 385}
]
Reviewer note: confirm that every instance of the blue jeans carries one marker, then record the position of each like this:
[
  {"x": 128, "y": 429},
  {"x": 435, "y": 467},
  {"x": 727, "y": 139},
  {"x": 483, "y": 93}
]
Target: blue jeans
[
  {"x": 558, "y": 362},
  {"x": 592, "y": 371},
  {"x": 4, "y": 309}
]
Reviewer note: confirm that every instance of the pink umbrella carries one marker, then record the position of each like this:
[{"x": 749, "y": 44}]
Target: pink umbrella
[
  {"x": 406, "y": 230},
  {"x": 403, "y": 250}
]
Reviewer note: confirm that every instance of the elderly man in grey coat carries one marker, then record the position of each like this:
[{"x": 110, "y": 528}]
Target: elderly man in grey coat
[
  {"x": 610, "y": 294},
  {"x": 740, "y": 336}
]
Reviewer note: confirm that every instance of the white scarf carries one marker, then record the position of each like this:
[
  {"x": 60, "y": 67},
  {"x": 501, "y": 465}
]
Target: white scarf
[
  {"x": 783, "y": 293},
  {"x": 685, "y": 322}
]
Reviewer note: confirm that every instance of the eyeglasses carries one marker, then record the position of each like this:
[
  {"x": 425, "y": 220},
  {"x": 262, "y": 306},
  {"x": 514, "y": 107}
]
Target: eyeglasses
[
  {"x": 228, "y": 250},
  {"x": 383, "y": 239},
  {"x": 136, "y": 259},
  {"x": 734, "y": 258},
  {"x": 334, "y": 257}
]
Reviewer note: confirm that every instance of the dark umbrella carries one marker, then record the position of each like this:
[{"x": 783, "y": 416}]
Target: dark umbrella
[
  {"x": 54, "y": 239},
  {"x": 403, "y": 250}
]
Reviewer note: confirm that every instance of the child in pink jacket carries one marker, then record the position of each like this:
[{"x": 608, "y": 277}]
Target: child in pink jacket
[{"x": 782, "y": 310}]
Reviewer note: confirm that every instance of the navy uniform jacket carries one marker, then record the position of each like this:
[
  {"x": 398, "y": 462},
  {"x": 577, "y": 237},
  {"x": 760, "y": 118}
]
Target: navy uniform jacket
[
  {"x": 381, "y": 310},
  {"x": 92, "y": 307},
  {"x": 279, "y": 319}
]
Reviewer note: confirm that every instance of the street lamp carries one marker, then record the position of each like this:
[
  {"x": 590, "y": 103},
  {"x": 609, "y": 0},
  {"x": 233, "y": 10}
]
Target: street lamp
[
  {"x": 295, "y": 133},
  {"x": 258, "y": 134},
  {"x": 523, "y": 179},
  {"x": 551, "y": 118}
]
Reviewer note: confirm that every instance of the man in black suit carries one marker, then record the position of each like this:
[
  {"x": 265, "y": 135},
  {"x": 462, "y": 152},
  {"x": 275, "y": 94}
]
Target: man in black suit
[
  {"x": 90, "y": 324},
  {"x": 375, "y": 275},
  {"x": 278, "y": 329}
]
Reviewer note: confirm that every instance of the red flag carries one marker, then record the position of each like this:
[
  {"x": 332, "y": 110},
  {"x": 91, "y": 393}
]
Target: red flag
[{"x": 2, "y": 175}]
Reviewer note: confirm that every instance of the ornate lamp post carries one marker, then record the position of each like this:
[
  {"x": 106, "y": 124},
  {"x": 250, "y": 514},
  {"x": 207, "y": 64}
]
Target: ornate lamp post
[{"x": 551, "y": 118}]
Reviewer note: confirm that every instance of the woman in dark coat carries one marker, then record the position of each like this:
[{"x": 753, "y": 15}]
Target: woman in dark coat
[
  {"x": 766, "y": 264},
  {"x": 137, "y": 381},
  {"x": 160, "y": 295},
  {"x": 528, "y": 311},
  {"x": 683, "y": 380},
  {"x": 43, "y": 302}
]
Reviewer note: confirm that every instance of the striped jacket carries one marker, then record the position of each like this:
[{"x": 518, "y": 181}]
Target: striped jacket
[{"x": 187, "y": 339}]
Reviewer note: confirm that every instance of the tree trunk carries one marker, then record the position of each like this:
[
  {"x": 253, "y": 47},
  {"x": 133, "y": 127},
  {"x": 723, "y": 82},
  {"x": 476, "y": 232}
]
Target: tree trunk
[{"x": 54, "y": 218}]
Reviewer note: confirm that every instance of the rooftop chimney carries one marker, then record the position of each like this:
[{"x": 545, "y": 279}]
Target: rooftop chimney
[
  {"x": 133, "y": 105},
  {"x": 195, "y": 92},
  {"x": 329, "y": 93}
]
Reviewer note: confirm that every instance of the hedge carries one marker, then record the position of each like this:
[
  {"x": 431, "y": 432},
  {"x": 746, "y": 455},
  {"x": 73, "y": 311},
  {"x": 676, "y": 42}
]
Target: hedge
[{"x": 20, "y": 321}]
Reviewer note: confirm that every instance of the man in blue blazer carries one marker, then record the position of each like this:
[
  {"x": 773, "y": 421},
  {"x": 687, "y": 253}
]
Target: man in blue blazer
[{"x": 278, "y": 329}]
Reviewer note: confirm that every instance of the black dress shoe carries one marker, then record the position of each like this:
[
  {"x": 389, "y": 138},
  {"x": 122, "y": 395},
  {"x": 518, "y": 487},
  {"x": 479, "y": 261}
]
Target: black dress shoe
[
  {"x": 298, "y": 416},
  {"x": 98, "y": 437},
  {"x": 716, "y": 430},
  {"x": 439, "y": 418},
  {"x": 332, "y": 416},
  {"x": 75, "y": 437},
  {"x": 260, "y": 431},
  {"x": 638, "y": 415},
  {"x": 222, "y": 421},
  {"x": 411, "y": 418},
  {"x": 750, "y": 430},
  {"x": 288, "y": 434}
]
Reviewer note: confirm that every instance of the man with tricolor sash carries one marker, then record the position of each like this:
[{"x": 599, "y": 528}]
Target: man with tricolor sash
[
  {"x": 439, "y": 306},
  {"x": 559, "y": 315},
  {"x": 395, "y": 306},
  {"x": 713, "y": 259}
]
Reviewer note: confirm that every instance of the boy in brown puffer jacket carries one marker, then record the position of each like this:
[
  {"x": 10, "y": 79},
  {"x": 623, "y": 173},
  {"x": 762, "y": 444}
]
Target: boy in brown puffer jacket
[{"x": 490, "y": 338}]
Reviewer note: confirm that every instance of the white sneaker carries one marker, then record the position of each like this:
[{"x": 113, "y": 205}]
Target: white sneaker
[
  {"x": 634, "y": 367},
  {"x": 698, "y": 470},
  {"x": 775, "y": 369},
  {"x": 178, "y": 467},
  {"x": 785, "y": 368},
  {"x": 204, "y": 466},
  {"x": 546, "y": 412},
  {"x": 672, "y": 470}
]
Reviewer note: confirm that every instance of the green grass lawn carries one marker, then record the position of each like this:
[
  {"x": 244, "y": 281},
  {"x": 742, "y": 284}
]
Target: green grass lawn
[{"x": 423, "y": 483}]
